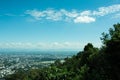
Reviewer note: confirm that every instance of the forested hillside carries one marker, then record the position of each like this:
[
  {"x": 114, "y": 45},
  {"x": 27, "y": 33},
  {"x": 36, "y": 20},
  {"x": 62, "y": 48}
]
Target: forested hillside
[{"x": 90, "y": 64}]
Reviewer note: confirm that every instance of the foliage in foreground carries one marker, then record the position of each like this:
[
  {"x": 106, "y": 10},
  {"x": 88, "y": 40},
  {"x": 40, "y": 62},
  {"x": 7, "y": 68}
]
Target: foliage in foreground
[{"x": 90, "y": 64}]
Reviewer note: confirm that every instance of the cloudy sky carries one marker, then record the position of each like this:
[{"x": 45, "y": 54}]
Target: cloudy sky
[{"x": 55, "y": 24}]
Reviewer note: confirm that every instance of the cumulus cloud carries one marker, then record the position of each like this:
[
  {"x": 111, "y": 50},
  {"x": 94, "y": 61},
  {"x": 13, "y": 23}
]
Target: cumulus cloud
[
  {"x": 51, "y": 14},
  {"x": 75, "y": 16},
  {"x": 107, "y": 10},
  {"x": 86, "y": 13},
  {"x": 62, "y": 15},
  {"x": 84, "y": 19}
]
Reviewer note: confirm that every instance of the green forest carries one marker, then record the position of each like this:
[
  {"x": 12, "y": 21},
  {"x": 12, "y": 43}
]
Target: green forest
[{"x": 90, "y": 64}]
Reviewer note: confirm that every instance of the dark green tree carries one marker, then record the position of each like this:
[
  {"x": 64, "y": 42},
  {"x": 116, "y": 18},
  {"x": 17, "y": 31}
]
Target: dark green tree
[{"x": 112, "y": 50}]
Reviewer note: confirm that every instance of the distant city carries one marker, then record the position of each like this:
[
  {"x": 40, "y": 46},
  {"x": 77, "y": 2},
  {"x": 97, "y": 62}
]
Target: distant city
[{"x": 11, "y": 61}]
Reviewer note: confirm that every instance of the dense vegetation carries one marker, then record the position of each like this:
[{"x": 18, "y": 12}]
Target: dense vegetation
[{"x": 90, "y": 64}]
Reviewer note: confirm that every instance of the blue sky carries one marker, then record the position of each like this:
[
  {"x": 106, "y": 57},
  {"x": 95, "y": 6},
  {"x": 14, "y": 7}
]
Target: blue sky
[{"x": 55, "y": 24}]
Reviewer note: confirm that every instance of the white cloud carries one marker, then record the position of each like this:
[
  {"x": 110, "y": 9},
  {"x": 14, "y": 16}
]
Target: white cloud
[
  {"x": 84, "y": 19},
  {"x": 51, "y": 14},
  {"x": 75, "y": 16},
  {"x": 61, "y": 15},
  {"x": 71, "y": 14},
  {"x": 52, "y": 45},
  {"x": 107, "y": 10},
  {"x": 46, "y": 14},
  {"x": 35, "y": 13},
  {"x": 86, "y": 13}
]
